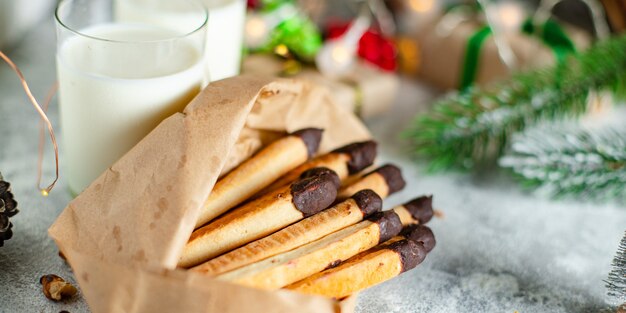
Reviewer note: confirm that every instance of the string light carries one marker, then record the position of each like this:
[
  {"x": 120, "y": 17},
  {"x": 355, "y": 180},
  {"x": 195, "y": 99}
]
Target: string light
[
  {"x": 422, "y": 6},
  {"x": 281, "y": 50},
  {"x": 44, "y": 191},
  {"x": 510, "y": 15},
  {"x": 259, "y": 26},
  {"x": 257, "y": 31},
  {"x": 337, "y": 56}
]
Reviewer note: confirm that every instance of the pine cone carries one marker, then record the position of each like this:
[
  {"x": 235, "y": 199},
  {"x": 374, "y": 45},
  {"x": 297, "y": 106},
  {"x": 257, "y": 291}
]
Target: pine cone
[{"x": 8, "y": 208}]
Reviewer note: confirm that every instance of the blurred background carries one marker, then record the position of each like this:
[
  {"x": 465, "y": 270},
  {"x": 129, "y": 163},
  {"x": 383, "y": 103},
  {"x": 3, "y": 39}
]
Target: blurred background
[{"x": 509, "y": 112}]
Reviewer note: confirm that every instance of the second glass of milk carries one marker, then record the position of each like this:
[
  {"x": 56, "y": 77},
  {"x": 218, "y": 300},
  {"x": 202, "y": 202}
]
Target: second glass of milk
[
  {"x": 224, "y": 30},
  {"x": 119, "y": 80}
]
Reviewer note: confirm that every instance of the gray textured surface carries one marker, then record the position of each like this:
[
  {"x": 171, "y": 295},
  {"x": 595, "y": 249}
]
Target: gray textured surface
[{"x": 499, "y": 249}]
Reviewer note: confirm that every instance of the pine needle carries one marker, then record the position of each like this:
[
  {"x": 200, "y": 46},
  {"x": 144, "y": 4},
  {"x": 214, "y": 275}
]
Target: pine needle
[
  {"x": 473, "y": 128},
  {"x": 616, "y": 283},
  {"x": 565, "y": 159}
]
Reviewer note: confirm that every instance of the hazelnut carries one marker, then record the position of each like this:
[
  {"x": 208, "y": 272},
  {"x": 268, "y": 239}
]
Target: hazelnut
[{"x": 56, "y": 288}]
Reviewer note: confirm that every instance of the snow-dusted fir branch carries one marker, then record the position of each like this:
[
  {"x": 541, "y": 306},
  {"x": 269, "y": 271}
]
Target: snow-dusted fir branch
[
  {"x": 616, "y": 282},
  {"x": 473, "y": 127},
  {"x": 568, "y": 159}
]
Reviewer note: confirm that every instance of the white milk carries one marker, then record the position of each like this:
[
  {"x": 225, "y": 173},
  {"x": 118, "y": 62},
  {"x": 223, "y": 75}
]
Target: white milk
[
  {"x": 112, "y": 94},
  {"x": 225, "y": 37},
  {"x": 224, "y": 41}
]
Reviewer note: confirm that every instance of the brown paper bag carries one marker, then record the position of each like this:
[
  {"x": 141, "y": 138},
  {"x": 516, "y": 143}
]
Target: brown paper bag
[
  {"x": 123, "y": 235},
  {"x": 443, "y": 56}
]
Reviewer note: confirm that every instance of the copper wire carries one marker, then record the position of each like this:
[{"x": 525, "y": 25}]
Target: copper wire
[{"x": 44, "y": 119}]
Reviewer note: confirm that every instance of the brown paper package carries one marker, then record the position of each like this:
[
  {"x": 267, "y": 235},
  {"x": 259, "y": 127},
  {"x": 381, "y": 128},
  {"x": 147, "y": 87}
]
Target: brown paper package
[
  {"x": 365, "y": 90},
  {"x": 443, "y": 57},
  {"x": 124, "y": 234}
]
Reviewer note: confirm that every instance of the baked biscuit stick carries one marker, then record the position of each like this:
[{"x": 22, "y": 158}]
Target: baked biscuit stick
[
  {"x": 369, "y": 268},
  {"x": 259, "y": 171},
  {"x": 347, "y": 160},
  {"x": 344, "y": 214},
  {"x": 286, "y": 268},
  {"x": 260, "y": 218},
  {"x": 419, "y": 210},
  {"x": 384, "y": 180}
]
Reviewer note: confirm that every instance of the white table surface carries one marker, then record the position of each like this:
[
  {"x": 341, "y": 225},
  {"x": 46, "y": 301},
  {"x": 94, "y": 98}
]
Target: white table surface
[{"x": 499, "y": 249}]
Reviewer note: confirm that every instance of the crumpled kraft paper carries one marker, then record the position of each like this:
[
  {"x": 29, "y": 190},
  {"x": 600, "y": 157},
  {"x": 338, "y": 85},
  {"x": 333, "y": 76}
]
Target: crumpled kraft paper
[{"x": 123, "y": 235}]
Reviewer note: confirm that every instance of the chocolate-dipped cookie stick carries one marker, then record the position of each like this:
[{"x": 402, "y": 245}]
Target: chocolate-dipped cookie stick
[
  {"x": 344, "y": 214},
  {"x": 286, "y": 268},
  {"x": 347, "y": 160},
  {"x": 419, "y": 210},
  {"x": 369, "y": 268},
  {"x": 384, "y": 180},
  {"x": 260, "y": 218},
  {"x": 420, "y": 234},
  {"x": 259, "y": 171}
]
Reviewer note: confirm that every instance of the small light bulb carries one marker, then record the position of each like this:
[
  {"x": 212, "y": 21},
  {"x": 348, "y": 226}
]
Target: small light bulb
[
  {"x": 340, "y": 54},
  {"x": 511, "y": 15},
  {"x": 257, "y": 31},
  {"x": 44, "y": 192},
  {"x": 260, "y": 25},
  {"x": 422, "y": 6},
  {"x": 335, "y": 58},
  {"x": 281, "y": 50}
]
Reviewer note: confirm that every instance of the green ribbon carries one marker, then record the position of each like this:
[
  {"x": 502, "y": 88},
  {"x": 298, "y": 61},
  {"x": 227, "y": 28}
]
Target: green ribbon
[
  {"x": 550, "y": 32},
  {"x": 472, "y": 55},
  {"x": 553, "y": 35}
]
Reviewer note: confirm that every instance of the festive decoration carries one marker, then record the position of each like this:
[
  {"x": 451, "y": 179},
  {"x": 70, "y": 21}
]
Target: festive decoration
[
  {"x": 474, "y": 127},
  {"x": 509, "y": 15},
  {"x": 346, "y": 41},
  {"x": 373, "y": 47},
  {"x": 337, "y": 55},
  {"x": 616, "y": 282},
  {"x": 260, "y": 25},
  {"x": 8, "y": 208},
  {"x": 44, "y": 122},
  {"x": 8, "y": 205},
  {"x": 343, "y": 60},
  {"x": 566, "y": 159},
  {"x": 280, "y": 27},
  {"x": 467, "y": 45}
]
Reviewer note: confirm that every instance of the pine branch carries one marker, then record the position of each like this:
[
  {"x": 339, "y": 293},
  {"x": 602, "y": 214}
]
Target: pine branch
[
  {"x": 568, "y": 160},
  {"x": 472, "y": 128},
  {"x": 616, "y": 283}
]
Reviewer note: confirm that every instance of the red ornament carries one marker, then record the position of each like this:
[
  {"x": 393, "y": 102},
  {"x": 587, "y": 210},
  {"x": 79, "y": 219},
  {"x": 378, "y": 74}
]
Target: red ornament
[
  {"x": 373, "y": 47},
  {"x": 253, "y": 4}
]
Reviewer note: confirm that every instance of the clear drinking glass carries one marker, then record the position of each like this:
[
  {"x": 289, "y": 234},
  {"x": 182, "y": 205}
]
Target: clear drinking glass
[{"x": 119, "y": 78}]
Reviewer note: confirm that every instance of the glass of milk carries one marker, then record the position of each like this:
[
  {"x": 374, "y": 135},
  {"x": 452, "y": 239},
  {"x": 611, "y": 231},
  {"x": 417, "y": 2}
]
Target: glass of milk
[
  {"x": 119, "y": 79},
  {"x": 224, "y": 32}
]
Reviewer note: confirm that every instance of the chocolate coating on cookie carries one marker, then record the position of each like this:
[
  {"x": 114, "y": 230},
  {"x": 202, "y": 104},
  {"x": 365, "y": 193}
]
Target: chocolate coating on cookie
[
  {"x": 368, "y": 201},
  {"x": 411, "y": 253},
  {"x": 311, "y": 138},
  {"x": 393, "y": 176},
  {"x": 317, "y": 171},
  {"x": 420, "y": 234},
  {"x": 389, "y": 224},
  {"x": 362, "y": 155},
  {"x": 421, "y": 208},
  {"x": 313, "y": 194}
]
